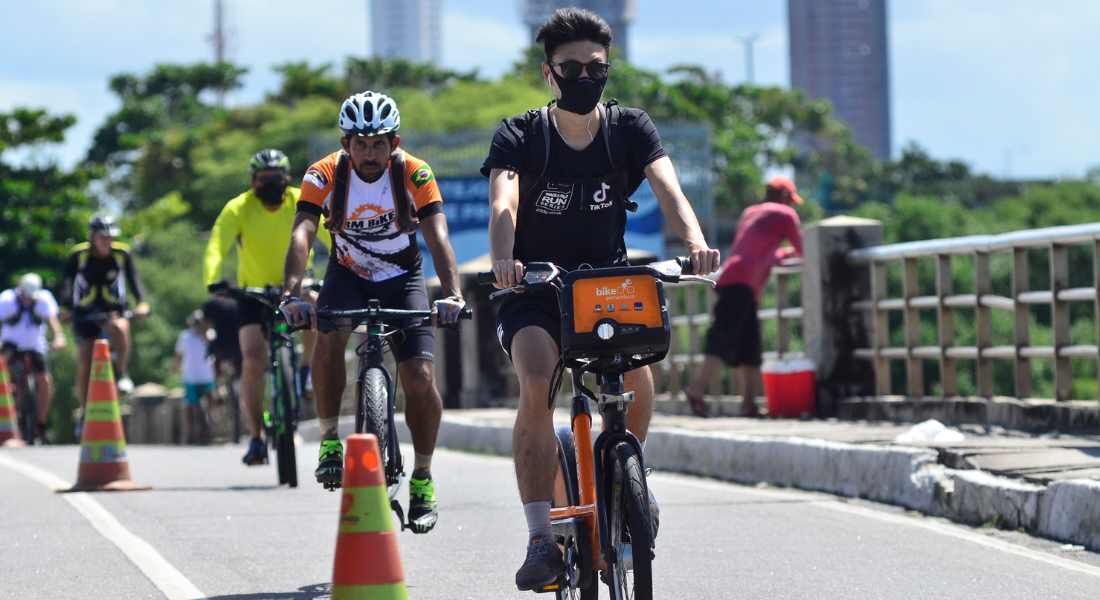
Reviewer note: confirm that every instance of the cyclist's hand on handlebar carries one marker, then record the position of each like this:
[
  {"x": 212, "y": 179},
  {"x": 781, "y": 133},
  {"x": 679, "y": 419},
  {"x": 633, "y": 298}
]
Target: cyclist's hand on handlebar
[
  {"x": 704, "y": 260},
  {"x": 142, "y": 309},
  {"x": 508, "y": 271},
  {"x": 448, "y": 310},
  {"x": 299, "y": 313}
]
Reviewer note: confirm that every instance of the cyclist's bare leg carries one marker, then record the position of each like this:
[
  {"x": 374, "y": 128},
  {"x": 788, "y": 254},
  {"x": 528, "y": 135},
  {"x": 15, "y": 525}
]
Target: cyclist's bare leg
[
  {"x": 118, "y": 330},
  {"x": 43, "y": 384},
  {"x": 423, "y": 404},
  {"x": 640, "y": 381},
  {"x": 534, "y": 355},
  {"x": 328, "y": 379},
  {"x": 83, "y": 369},
  {"x": 253, "y": 365}
]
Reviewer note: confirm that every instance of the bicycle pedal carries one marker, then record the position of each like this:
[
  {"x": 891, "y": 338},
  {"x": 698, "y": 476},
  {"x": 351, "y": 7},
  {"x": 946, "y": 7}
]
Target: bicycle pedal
[{"x": 554, "y": 586}]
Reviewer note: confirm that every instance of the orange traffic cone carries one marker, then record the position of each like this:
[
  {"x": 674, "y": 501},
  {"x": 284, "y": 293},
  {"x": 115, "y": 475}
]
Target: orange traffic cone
[
  {"x": 367, "y": 565},
  {"x": 9, "y": 432},
  {"x": 103, "y": 464}
]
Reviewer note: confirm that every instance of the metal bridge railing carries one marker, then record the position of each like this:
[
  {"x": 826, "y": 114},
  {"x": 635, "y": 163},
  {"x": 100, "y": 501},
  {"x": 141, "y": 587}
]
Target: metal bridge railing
[
  {"x": 983, "y": 301},
  {"x": 691, "y": 308}
]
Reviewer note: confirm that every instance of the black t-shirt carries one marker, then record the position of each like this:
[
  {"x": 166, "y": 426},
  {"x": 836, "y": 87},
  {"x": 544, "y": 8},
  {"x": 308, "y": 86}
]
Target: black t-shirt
[{"x": 518, "y": 146}]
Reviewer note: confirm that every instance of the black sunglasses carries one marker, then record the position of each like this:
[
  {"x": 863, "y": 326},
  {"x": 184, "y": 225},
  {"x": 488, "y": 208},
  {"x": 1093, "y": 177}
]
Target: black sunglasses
[{"x": 571, "y": 69}]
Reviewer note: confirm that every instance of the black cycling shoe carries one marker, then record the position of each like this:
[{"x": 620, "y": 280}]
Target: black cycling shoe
[
  {"x": 542, "y": 566},
  {"x": 257, "y": 453},
  {"x": 330, "y": 465},
  {"x": 423, "y": 508}
]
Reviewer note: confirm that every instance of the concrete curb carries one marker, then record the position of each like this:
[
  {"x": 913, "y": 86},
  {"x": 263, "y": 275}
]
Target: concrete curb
[{"x": 903, "y": 476}]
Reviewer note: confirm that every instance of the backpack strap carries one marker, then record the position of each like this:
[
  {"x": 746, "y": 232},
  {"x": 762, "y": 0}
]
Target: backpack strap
[
  {"x": 338, "y": 206},
  {"x": 401, "y": 202},
  {"x": 544, "y": 113}
]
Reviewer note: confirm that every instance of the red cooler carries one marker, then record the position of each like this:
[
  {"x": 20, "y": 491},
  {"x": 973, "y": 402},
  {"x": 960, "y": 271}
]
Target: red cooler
[{"x": 789, "y": 386}]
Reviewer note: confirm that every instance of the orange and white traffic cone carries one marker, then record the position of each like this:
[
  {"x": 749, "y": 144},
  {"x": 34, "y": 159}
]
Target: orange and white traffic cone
[
  {"x": 103, "y": 463},
  {"x": 367, "y": 565},
  {"x": 9, "y": 432}
]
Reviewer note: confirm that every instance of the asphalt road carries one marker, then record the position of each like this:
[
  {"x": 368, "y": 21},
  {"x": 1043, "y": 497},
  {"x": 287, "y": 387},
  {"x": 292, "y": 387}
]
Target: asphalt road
[{"x": 232, "y": 534}]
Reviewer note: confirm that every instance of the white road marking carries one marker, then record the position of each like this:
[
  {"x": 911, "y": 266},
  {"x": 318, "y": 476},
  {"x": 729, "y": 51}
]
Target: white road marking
[
  {"x": 955, "y": 531},
  {"x": 160, "y": 572}
]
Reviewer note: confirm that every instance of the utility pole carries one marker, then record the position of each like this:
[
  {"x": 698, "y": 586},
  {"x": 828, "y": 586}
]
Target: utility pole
[
  {"x": 748, "y": 41},
  {"x": 218, "y": 40}
]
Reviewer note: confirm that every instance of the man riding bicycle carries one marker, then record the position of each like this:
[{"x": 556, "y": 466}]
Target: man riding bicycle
[
  {"x": 96, "y": 279},
  {"x": 560, "y": 180},
  {"x": 24, "y": 313},
  {"x": 258, "y": 223},
  {"x": 374, "y": 212}
]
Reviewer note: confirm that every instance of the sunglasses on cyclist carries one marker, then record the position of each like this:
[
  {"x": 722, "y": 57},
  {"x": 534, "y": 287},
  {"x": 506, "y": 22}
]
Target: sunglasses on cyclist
[{"x": 571, "y": 69}]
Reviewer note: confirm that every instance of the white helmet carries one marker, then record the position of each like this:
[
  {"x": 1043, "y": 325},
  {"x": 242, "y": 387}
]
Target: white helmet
[
  {"x": 29, "y": 284},
  {"x": 369, "y": 113}
]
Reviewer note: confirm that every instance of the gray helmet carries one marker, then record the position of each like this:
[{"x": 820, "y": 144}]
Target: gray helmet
[
  {"x": 104, "y": 224},
  {"x": 269, "y": 158}
]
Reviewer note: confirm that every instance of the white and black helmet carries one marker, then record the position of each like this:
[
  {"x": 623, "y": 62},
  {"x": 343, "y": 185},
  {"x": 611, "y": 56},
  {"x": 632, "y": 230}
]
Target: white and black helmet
[{"x": 369, "y": 113}]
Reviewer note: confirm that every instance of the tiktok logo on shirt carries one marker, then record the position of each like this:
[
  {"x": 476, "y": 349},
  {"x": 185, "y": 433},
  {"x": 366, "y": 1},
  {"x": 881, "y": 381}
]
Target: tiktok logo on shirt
[{"x": 599, "y": 198}]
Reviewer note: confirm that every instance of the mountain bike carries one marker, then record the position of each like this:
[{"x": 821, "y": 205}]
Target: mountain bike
[
  {"x": 614, "y": 320},
  {"x": 280, "y": 416},
  {"x": 375, "y": 393}
]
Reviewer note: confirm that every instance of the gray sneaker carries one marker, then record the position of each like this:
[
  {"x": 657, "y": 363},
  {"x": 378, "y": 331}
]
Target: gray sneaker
[{"x": 542, "y": 566}]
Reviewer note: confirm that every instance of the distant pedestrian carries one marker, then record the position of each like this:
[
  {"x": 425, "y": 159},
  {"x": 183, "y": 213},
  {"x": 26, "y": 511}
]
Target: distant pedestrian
[
  {"x": 197, "y": 369},
  {"x": 734, "y": 335}
]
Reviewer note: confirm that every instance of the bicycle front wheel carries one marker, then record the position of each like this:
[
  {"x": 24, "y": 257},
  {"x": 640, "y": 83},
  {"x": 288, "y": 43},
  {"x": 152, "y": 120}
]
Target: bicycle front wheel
[
  {"x": 371, "y": 414},
  {"x": 284, "y": 425},
  {"x": 630, "y": 575}
]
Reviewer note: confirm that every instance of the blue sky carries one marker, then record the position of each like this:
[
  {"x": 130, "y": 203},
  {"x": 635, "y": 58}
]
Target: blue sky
[{"x": 1010, "y": 86}]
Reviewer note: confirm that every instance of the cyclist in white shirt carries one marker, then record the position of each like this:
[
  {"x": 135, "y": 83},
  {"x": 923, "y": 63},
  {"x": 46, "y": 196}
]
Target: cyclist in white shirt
[{"x": 24, "y": 313}]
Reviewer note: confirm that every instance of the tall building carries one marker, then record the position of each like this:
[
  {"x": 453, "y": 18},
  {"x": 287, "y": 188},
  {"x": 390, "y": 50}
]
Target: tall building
[
  {"x": 839, "y": 52},
  {"x": 409, "y": 29},
  {"x": 618, "y": 14}
]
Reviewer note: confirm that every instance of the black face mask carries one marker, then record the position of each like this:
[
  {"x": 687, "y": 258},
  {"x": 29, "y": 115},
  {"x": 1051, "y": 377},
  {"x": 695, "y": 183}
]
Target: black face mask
[
  {"x": 579, "y": 95},
  {"x": 271, "y": 192}
]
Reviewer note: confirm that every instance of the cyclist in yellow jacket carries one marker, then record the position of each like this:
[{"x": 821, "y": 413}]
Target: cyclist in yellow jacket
[{"x": 258, "y": 222}]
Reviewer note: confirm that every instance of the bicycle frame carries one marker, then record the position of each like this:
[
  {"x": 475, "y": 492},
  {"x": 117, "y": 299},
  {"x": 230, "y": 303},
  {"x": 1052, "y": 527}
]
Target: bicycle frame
[{"x": 280, "y": 348}]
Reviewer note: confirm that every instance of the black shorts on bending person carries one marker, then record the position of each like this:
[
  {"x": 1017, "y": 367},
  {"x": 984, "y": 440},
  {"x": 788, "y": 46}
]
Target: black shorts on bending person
[
  {"x": 344, "y": 290},
  {"x": 734, "y": 334}
]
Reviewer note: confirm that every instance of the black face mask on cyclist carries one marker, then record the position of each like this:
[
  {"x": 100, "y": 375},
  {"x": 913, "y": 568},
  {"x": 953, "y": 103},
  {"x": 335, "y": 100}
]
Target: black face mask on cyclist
[
  {"x": 271, "y": 192},
  {"x": 579, "y": 96}
]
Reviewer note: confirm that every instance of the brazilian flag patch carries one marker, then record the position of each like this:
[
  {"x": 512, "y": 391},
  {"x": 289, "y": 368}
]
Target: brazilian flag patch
[{"x": 422, "y": 176}]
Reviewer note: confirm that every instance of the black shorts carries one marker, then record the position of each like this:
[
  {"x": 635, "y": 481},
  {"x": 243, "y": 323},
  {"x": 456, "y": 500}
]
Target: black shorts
[
  {"x": 38, "y": 360},
  {"x": 254, "y": 312},
  {"x": 344, "y": 290},
  {"x": 87, "y": 330},
  {"x": 528, "y": 310},
  {"x": 734, "y": 334}
]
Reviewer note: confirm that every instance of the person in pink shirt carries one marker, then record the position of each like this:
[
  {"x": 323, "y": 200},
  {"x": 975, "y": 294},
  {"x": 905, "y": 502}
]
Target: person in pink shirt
[{"x": 734, "y": 335}]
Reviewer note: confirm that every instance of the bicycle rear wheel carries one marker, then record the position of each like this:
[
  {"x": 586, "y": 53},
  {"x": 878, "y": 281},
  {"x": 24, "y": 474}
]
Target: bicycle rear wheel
[{"x": 630, "y": 575}]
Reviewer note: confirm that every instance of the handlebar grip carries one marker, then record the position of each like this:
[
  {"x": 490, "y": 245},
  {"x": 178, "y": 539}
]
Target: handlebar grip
[
  {"x": 486, "y": 278},
  {"x": 685, "y": 264}
]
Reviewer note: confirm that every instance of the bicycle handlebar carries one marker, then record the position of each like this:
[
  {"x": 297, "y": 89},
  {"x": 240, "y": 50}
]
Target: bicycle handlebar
[{"x": 658, "y": 269}]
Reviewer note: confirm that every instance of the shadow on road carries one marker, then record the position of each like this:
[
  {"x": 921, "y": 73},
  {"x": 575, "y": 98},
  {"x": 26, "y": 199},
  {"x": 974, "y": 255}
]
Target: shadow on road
[
  {"x": 308, "y": 592},
  {"x": 214, "y": 488}
]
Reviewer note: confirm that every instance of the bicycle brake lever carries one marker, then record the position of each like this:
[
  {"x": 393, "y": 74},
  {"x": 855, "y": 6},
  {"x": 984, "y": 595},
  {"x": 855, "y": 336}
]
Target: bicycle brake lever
[{"x": 505, "y": 292}]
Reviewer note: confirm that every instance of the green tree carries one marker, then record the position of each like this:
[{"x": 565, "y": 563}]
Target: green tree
[{"x": 43, "y": 208}]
